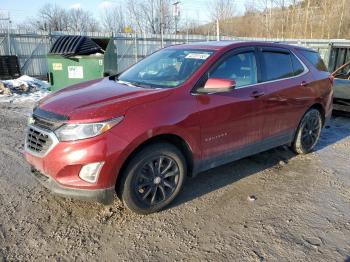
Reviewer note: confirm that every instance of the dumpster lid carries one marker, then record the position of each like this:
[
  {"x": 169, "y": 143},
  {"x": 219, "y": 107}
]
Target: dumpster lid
[{"x": 71, "y": 45}]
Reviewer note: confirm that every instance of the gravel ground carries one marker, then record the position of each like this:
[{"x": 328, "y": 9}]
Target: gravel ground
[{"x": 274, "y": 206}]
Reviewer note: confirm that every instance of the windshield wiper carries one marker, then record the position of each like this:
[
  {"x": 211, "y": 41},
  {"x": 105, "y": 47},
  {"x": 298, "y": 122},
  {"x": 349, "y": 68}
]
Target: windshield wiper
[
  {"x": 116, "y": 78},
  {"x": 126, "y": 83},
  {"x": 143, "y": 85},
  {"x": 137, "y": 84}
]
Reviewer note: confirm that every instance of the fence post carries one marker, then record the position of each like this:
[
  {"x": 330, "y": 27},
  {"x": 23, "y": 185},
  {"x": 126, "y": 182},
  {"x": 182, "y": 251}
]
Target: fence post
[
  {"x": 8, "y": 35},
  {"x": 217, "y": 30},
  {"x": 135, "y": 48}
]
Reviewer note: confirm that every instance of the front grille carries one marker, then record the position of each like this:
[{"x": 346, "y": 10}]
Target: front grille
[
  {"x": 38, "y": 141},
  {"x": 46, "y": 124}
]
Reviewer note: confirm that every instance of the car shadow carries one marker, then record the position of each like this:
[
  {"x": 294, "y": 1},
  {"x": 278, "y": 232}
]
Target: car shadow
[
  {"x": 222, "y": 176},
  {"x": 213, "y": 179}
]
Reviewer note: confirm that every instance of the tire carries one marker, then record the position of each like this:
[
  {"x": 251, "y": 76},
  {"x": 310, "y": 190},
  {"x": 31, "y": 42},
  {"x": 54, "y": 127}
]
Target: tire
[
  {"x": 144, "y": 188},
  {"x": 308, "y": 132}
]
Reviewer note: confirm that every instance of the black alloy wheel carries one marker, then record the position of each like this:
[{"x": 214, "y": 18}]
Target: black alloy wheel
[
  {"x": 156, "y": 180},
  {"x": 152, "y": 178},
  {"x": 311, "y": 131},
  {"x": 308, "y": 132}
]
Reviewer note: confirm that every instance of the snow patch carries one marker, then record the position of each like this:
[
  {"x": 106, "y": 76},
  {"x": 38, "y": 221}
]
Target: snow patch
[{"x": 24, "y": 89}]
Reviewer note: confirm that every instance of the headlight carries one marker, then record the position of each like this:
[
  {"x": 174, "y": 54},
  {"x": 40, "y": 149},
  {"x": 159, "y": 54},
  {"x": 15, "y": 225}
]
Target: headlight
[{"x": 71, "y": 132}]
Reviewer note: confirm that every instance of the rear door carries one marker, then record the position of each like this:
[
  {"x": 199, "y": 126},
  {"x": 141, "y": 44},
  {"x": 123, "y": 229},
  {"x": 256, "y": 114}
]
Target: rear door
[
  {"x": 234, "y": 119},
  {"x": 283, "y": 76}
]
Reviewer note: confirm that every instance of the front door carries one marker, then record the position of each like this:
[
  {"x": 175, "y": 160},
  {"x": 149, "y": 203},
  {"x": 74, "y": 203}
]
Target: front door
[{"x": 231, "y": 122}]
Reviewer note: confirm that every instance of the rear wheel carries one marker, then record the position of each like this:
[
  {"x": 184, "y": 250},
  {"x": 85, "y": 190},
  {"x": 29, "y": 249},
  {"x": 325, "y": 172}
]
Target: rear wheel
[
  {"x": 308, "y": 132},
  {"x": 153, "y": 178}
]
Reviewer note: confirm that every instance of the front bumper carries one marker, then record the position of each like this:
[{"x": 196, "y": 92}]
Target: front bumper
[
  {"x": 104, "y": 196},
  {"x": 58, "y": 166}
]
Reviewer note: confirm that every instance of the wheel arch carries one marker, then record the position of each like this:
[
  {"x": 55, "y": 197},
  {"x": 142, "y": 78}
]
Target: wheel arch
[
  {"x": 317, "y": 106},
  {"x": 320, "y": 108},
  {"x": 295, "y": 144},
  {"x": 179, "y": 142}
]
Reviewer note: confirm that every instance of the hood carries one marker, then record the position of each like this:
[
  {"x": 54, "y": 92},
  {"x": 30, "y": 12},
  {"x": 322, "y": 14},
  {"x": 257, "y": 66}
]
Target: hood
[{"x": 98, "y": 100}]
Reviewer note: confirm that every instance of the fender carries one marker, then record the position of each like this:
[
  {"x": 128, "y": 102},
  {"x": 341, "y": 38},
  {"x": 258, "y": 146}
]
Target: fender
[{"x": 192, "y": 143}]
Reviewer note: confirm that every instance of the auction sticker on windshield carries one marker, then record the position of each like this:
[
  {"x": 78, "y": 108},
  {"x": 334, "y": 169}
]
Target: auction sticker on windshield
[{"x": 202, "y": 56}]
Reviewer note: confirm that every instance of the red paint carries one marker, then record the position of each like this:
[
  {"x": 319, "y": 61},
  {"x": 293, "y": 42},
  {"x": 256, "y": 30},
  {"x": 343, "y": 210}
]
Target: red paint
[{"x": 210, "y": 124}]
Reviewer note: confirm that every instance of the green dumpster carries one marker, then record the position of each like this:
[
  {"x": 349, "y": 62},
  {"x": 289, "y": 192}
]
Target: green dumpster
[{"x": 75, "y": 59}]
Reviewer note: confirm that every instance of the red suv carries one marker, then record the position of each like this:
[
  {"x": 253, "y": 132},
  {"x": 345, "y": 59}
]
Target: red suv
[{"x": 180, "y": 111}]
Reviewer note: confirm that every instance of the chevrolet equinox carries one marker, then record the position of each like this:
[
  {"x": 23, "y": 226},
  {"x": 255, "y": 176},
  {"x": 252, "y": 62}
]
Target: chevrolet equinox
[{"x": 180, "y": 111}]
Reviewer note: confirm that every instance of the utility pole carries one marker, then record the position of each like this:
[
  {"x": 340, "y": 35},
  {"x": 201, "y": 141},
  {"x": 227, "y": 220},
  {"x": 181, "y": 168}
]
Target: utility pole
[
  {"x": 176, "y": 14},
  {"x": 217, "y": 30},
  {"x": 8, "y": 31}
]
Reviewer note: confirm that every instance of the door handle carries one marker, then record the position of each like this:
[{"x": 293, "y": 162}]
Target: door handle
[
  {"x": 257, "y": 94},
  {"x": 304, "y": 83}
]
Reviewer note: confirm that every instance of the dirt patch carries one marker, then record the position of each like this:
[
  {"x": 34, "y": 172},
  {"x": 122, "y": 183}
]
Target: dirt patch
[{"x": 272, "y": 206}]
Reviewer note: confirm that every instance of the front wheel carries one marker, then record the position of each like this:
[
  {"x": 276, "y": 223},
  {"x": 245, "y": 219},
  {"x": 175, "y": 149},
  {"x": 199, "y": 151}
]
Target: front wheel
[
  {"x": 153, "y": 178},
  {"x": 308, "y": 132}
]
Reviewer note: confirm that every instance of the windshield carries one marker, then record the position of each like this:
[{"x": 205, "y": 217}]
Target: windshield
[{"x": 166, "y": 68}]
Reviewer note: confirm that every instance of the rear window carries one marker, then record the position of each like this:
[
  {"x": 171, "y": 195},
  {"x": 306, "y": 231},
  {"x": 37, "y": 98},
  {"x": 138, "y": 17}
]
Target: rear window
[
  {"x": 277, "y": 65},
  {"x": 297, "y": 66},
  {"x": 315, "y": 59}
]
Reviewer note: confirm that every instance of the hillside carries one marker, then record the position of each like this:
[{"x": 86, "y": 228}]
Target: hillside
[{"x": 305, "y": 19}]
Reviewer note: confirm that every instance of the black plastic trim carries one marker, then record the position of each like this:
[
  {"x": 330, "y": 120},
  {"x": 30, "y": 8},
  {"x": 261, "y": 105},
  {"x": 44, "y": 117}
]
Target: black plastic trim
[
  {"x": 245, "y": 151},
  {"x": 104, "y": 196},
  {"x": 51, "y": 116}
]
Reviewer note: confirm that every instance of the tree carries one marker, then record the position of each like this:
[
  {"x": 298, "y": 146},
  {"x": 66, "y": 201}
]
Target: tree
[
  {"x": 307, "y": 11},
  {"x": 222, "y": 9},
  {"x": 341, "y": 18},
  {"x": 51, "y": 17},
  {"x": 81, "y": 21},
  {"x": 113, "y": 20},
  {"x": 55, "y": 18},
  {"x": 149, "y": 16}
]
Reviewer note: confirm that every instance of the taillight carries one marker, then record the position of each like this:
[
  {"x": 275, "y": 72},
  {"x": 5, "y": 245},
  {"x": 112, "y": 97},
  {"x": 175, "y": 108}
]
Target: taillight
[{"x": 331, "y": 79}]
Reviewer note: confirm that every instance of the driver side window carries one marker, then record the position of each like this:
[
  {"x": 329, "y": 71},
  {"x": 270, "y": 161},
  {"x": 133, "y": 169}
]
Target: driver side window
[{"x": 239, "y": 67}]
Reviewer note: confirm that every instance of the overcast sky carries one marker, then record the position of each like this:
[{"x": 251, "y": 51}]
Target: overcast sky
[{"x": 19, "y": 10}]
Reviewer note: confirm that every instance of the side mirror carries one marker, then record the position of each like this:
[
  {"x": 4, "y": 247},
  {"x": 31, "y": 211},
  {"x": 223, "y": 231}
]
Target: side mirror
[{"x": 216, "y": 85}]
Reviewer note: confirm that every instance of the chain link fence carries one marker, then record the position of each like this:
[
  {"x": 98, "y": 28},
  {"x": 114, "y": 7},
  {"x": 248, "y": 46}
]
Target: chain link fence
[{"x": 32, "y": 48}]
